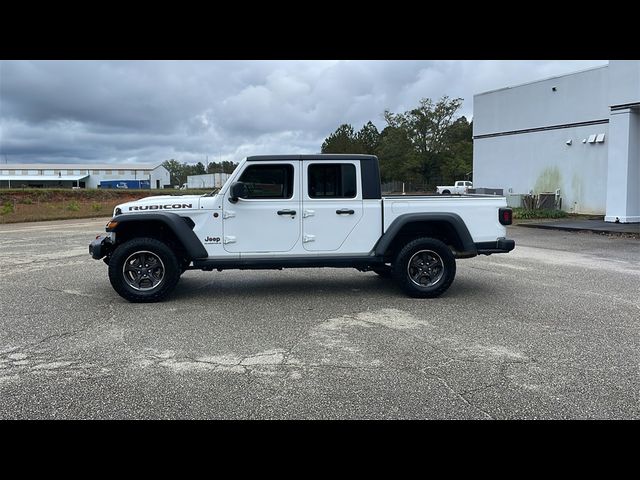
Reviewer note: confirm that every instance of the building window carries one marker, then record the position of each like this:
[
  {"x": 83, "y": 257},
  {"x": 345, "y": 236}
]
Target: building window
[
  {"x": 332, "y": 180},
  {"x": 95, "y": 172},
  {"x": 107, "y": 172}
]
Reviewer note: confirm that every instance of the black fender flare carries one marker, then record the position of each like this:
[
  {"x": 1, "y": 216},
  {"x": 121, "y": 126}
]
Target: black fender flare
[
  {"x": 173, "y": 221},
  {"x": 453, "y": 219}
]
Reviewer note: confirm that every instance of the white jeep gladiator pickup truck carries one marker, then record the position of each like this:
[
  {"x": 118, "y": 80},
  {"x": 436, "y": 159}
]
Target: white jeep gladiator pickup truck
[
  {"x": 461, "y": 187},
  {"x": 291, "y": 211}
]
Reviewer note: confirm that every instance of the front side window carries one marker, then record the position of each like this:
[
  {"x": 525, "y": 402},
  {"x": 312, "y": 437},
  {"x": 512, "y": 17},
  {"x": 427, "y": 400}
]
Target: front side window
[
  {"x": 268, "y": 181},
  {"x": 332, "y": 180}
]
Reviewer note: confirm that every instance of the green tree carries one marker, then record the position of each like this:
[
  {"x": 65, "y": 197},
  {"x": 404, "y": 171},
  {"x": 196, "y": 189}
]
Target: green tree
[
  {"x": 176, "y": 171},
  {"x": 394, "y": 153},
  {"x": 426, "y": 127},
  {"x": 422, "y": 145},
  {"x": 457, "y": 160},
  {"x": 222, "y": 167},
  {"x": 368, "y": 138},
  {"x": 199, "y": 169},
  {"x": 343, "y": 140}
]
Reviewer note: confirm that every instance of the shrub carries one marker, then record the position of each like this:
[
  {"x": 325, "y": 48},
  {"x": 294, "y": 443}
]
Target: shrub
[
  {"x": 524, "y": 213},
  {"x": 96, "y": 207},
  {"x": 73, "y": 206},
  {"x": 7, "y": 208}
]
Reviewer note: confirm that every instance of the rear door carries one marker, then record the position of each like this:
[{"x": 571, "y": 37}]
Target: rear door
[{"x": 331, "y": 203}]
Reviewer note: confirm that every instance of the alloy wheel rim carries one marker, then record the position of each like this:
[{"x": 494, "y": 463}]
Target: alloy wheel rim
[
  {"x": 143, "y": 270},
  {"x": 425, "y": 268}
]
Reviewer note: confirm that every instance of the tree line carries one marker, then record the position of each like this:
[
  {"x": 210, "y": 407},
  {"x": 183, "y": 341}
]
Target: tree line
[
  {"x": 180, "y": 171},
  {"x": 424, "y": 146}
]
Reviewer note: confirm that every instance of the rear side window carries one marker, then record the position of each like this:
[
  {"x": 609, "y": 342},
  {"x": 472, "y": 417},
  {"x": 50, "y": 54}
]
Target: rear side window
[
  {"x": 268, "y": 181},
  {"x": 332, "y": 180}
]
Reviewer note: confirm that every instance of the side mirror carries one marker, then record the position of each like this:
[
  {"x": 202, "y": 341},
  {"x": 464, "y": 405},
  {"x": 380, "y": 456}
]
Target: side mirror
[{"x": 238, "y": 190}]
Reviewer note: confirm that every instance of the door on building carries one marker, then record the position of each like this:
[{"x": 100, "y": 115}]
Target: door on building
[
  {"x": 332, "y": 204},
  {"x": 158, "y": 184},
  {"x": 268, "y": 219}
]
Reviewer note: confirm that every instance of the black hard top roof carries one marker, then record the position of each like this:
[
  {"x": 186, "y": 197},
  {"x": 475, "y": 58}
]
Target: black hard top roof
[{"x": 323, "y": 156}]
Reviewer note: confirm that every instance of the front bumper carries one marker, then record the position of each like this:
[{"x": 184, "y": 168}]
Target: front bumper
[
  {"x": 501, "y": 245},
  {"x": 101, "y": 246}
]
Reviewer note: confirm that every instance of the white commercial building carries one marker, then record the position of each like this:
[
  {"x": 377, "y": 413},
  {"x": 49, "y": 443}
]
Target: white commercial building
[
  {"x": 207, "y": 180},
  {"x": 83, "y": 176},
  {"x": 578, "y": 134}
]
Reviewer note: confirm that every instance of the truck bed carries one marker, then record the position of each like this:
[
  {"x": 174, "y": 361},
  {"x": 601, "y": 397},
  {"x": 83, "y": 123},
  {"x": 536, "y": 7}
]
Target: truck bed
[{"x": 479, "y": 212}]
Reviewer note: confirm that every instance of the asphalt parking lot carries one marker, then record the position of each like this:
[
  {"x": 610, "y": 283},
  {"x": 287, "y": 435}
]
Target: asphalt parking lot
[{"x": 549, "y": 331}]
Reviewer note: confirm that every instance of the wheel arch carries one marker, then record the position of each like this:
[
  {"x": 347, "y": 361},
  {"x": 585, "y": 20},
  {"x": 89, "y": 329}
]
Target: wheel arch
[
  {"x": 447, "y": 227},
  {"x": 166, "y": 226}
]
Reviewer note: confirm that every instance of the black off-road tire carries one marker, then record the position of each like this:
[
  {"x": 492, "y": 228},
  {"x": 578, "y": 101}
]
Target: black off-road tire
[
  {"x": 424, "y": 268},
  {"x": 383, "y": 271},
  {"x": 157, "y": 279}
]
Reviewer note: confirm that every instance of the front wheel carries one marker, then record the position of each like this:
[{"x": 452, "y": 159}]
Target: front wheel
[
  {"x": 425, "y": 268},
  {"x": 143, "y": 270}
]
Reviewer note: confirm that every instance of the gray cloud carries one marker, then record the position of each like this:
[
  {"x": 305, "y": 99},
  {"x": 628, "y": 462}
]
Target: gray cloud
[{"x": 149, "y": 111}]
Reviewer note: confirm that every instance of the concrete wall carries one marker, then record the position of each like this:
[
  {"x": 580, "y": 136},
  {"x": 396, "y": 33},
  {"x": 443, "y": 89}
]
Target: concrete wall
[
  {"x": 543, "y": 162},
  {"x": 623, "y": 190},
  {"x": 540, "y": 160},
  {"x": 624, "y": 77},
  {"x": 579, "y": 97}
]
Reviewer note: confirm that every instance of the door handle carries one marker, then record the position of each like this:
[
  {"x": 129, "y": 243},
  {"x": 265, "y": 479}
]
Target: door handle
[
  {"x": 286, "y": 212},
  {"x": 345, "y": 211}
]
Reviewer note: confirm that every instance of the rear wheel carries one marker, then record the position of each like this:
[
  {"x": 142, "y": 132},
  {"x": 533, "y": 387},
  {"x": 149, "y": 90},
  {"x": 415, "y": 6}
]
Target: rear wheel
[
  {"x": 143, "y": 270},
  {"x": 425, "y": 268}
]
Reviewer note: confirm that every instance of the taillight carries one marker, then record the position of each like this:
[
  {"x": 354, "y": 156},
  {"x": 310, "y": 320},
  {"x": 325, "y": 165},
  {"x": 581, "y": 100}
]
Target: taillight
[{"x": 505, "y": 215}]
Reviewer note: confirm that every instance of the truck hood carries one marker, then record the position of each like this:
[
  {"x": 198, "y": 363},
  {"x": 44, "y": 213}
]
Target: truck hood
[{"x": 169, "y": 203}]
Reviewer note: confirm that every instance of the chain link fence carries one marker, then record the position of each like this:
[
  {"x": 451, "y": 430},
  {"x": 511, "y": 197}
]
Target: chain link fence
[{"x": 397, "y": 187}]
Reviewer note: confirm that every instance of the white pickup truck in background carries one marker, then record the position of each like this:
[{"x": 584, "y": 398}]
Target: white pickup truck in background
[
  {"x": 461, "y": 187},
  {"x": 300, "y": 211}
]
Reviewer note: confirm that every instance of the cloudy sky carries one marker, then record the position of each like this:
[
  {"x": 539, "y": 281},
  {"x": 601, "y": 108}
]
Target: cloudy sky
[{"x": 150, "y": 111}]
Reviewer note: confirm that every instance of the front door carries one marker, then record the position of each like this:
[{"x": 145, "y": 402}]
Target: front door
[
  {"x": 332, "y": 203},
  {"x": 268, "y": 220}
]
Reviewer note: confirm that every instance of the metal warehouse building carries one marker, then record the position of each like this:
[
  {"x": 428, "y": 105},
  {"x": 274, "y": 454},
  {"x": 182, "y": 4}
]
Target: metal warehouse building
[
  {"x": 75, "y": 175},
  {"x": 576, "y": 133}
]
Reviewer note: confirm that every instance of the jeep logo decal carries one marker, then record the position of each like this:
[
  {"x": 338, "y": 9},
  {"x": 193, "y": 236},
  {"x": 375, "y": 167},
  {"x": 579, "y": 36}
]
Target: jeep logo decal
[{"x": 162, "y": 207}]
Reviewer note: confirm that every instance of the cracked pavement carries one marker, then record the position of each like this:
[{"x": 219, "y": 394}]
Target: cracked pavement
[{"x": 550, "y": 330}]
